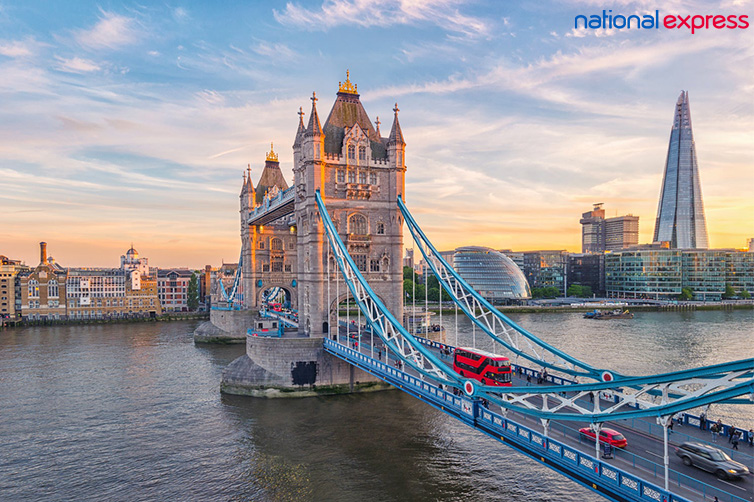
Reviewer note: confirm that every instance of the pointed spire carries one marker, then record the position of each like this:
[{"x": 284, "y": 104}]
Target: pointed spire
[
  {"x": 314, "y": 127},
  {"x": 396, "y": 136},
  {"x": 301, "y": 129},
  {"x": 377, "y": 122}
]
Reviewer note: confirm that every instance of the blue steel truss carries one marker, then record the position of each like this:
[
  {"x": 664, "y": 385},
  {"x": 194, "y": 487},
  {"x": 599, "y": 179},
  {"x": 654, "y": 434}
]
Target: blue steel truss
[
  {"x": 493, "y": 322},
  {"x": 233, "y": 297},
  {"x": 656, "y": 395}
]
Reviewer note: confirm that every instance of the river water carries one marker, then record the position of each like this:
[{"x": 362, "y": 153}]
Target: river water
[{"x": 133, "y": 412}]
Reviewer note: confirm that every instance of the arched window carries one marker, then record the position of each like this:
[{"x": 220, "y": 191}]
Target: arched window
[
  {"x": 33, "y": 288},
  {"x": 52, "y": 289},
  {"x": 276, "y": 244},
  {"x": 357, "y": 224},
  {"x": 351, "y": 152},
  {"x": 362, "y": 153}
]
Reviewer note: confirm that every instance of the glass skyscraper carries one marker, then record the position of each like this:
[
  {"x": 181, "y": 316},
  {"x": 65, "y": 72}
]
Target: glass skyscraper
[{"x": 680, "y": 214}]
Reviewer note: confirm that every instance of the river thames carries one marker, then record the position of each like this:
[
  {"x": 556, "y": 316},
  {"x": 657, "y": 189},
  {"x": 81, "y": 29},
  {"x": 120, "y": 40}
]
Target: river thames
[{"x": 133, "y": 412}]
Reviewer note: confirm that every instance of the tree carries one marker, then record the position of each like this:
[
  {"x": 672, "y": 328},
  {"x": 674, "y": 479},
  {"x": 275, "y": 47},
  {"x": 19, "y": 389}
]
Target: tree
[
  {"x": 192, "y": 295},
  {"x": 408, "y": 273},
  {"x": 729, "y": 291},
  {"x": 575, "y": 290},
  {"x": 434, "y": 294},
  {"x": 743, "y": 294},
  {"x": 686, "y": 294}
]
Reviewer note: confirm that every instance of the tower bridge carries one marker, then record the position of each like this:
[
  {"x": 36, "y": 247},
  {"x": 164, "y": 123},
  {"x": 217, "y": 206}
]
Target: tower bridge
[{"x": 335, "y": 235}]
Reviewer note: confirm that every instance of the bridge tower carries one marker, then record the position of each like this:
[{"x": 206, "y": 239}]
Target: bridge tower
[{"x": 360, "y": 175}]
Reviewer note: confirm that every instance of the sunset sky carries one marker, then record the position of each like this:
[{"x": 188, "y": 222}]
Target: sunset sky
[{"x": 132, "y": 122}]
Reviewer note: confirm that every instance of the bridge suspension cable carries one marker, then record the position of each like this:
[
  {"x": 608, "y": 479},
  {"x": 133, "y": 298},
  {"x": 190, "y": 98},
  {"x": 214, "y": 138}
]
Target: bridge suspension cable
[
  {"x": 491, "y": 321},
  {"x": 380, "y": 319}
]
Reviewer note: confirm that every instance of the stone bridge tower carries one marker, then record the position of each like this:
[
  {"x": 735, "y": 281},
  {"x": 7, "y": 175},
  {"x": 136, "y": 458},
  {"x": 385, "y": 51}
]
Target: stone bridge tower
[{"x": 360, "y": 175}]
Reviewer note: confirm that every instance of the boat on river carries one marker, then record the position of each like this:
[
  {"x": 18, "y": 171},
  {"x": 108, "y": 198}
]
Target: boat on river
[{"x": 613, "y": 314}]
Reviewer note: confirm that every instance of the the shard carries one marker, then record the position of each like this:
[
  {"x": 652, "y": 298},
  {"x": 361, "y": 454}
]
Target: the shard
[{"x": 680, "y": 214}]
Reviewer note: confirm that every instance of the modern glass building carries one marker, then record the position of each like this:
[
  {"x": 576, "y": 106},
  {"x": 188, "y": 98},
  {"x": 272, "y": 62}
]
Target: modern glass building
[
  {"x": 644, "y": 273},
  {"x": 680, "y": 214},
  {"x": 660, "y": 274},
  {"x": 492, "y": 274}
]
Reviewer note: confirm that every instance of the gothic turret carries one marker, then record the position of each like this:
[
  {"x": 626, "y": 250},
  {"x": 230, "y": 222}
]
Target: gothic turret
[
  {"x": 313, "y": 136},
  {"x": 272, "y": 178},
  {"x": 395, "y": 144}
]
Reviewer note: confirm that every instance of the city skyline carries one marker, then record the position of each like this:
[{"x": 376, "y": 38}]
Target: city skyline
[{"x": 133, "y": 124}]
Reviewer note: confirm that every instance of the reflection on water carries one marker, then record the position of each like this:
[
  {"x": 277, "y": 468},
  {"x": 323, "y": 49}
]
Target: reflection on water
[{"x": 134, "y": 412}]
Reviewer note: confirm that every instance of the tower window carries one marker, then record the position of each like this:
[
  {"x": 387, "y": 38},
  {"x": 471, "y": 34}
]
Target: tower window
[
  {"x": 341, "y": 176},
  {"x": 374, "y": 265},
  {"x": 362, "y": 153},
  {"x": 357, "y": 224},
  {"x": 351, "y": 177},
  {"x": 372, "y": 179},
  {"x": 381, "y": 228},
  {"x": 351, "y": 152},
  {"x": 361, "y": 261},
  {"x": 363, "y": 178}
]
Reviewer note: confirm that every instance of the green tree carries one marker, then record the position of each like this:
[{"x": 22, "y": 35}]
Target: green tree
[
  {"x": 744, "y": 294},
  {"x": 575, "y": 290},
  {"x": 686, "y": 294},
  {"x": 729, "y": 291},
  {"x": 192, "y": 295},
  {"x": 434, "y": 294},
  {"x": 408, "y": 273}
]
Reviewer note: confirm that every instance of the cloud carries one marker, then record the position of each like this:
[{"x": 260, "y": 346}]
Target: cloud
[
  {"x": 15, "y": 49},
  {"x": 599, "y": 33},
  {"x": 276, "y": 51},
  {"x": 367, "y": 13},
  {"x": 76, "y": 65},
  {"x": 111, "y": 32}
]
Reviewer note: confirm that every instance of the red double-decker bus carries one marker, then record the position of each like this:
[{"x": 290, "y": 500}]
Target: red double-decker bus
[{"x": 488, "y": 368}]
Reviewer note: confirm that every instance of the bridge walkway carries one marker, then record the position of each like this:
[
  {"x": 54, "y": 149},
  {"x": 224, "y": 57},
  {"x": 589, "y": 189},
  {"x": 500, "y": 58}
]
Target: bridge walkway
[{"x": 643, "y": 456}]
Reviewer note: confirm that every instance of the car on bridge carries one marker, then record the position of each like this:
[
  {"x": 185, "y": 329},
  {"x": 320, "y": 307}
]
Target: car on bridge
[
  {"x": 609, "y": 436},
  {"x": 711, "y": 459}
]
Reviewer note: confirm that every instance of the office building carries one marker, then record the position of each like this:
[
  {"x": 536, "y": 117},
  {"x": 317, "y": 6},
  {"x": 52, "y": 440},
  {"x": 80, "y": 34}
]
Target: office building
[{"x": 680, "y": 213}]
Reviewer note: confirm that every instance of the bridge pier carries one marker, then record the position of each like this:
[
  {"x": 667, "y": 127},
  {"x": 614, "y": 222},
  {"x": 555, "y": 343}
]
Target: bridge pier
[{"x": 293, "y": 367}]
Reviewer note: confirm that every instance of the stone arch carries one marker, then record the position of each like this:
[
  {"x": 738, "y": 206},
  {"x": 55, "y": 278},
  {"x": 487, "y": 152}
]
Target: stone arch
[{"x": 285, "y": 290}]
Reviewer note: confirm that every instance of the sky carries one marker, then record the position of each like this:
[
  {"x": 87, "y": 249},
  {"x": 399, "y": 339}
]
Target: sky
[{"x": 132, "y": 122}]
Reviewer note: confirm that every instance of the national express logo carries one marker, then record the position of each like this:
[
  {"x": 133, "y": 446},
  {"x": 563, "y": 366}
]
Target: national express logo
[{"x": 692, "y": 23}]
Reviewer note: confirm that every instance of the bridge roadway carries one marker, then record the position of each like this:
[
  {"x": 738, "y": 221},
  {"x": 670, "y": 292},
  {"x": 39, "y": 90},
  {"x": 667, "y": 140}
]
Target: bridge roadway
[{"x": 642, "y": 457}]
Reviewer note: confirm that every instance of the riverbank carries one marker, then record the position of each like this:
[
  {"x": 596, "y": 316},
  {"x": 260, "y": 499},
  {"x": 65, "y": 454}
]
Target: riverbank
[
  {"x": 538, "y": 309},
  {"x": 177, "y": 316}
]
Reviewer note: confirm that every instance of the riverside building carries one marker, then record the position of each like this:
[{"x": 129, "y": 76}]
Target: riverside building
[
  {"x": 660, "y": 273},
  {"x": 492, "y": 274},
  {"x": 599, "y": 234}
]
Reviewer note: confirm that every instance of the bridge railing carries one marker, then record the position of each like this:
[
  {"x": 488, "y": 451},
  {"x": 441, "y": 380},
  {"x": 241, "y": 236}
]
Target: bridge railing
[
  {"x": 578, "y": 465},
  {"x": 655, "y": 429}
]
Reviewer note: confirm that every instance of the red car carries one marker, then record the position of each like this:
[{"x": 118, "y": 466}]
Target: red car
[{"x": 609, "y": 436}]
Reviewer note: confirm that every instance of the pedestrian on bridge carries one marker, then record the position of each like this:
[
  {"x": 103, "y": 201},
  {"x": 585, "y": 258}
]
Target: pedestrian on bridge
[
  {"x": 702, "y": 421},
  {"x": 734, "y": 439},
  {"x": 731, "y": 433}
]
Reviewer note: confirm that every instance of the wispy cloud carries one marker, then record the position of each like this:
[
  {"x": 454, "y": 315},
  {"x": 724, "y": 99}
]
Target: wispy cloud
[
  {"x": 111, "y": 32},
  {"x": 278, "y": 51},
  {"x": 15, "y": 49},
  {"x": 368, "y": 13},
  {"x": 76, "y": 65}
]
